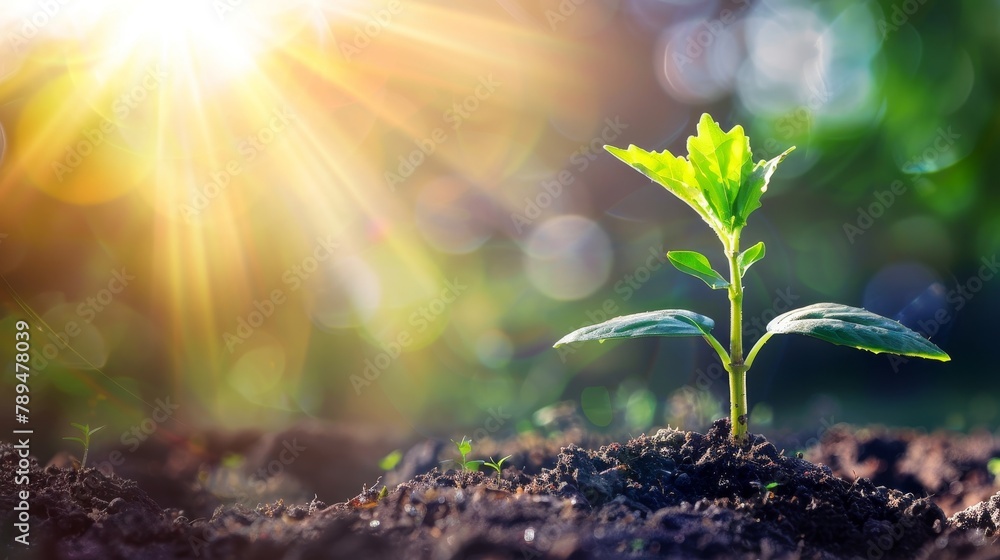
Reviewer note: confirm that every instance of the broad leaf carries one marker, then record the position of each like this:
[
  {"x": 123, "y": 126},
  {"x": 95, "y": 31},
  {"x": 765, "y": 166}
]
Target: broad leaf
[
  {"x": 722, "y": 162},
  {"x": 666, "y": 322},
  {"x": 750, "y": 256},
  {"x": 856, "y": 327},
  {"x": 748, "y": 199},
  {"x": 697, "y": 265},
  {"x": 673, "y": 173},
  {"x": 718, "y": 179}
]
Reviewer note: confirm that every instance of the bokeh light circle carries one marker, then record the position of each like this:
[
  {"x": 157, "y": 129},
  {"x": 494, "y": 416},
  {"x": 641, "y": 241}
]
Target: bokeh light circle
[
  {"x": 451, "y": 216},
  {"x": 568, "y": 257},
  {"x": 348, "y": 294},
  {"x": 698, "y": 60},
  {"x": 494, "y": 348},
  {"x": 81, "y": 162},
  {"x": 259, "y": 371},
  {"x": 908, "y": 292}
]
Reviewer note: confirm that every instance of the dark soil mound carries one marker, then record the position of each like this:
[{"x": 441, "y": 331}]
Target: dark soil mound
[
  {"x": 670, "y": 495},
  {"x": 788, "y": 503}
]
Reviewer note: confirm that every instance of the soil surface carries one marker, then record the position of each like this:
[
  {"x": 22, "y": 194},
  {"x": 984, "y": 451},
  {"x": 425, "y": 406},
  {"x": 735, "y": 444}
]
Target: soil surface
[{"x": 869, "y": 493}]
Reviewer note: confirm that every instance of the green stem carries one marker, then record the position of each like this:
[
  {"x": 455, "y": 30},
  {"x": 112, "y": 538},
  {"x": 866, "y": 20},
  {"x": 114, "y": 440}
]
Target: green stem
[
  {"x": 714, "y": 343},
  {"x": 736, "y": 367},
  {"x": 756, "y": 348}
]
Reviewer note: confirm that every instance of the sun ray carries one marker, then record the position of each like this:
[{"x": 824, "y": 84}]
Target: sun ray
[{"x": 245, "y": 137}]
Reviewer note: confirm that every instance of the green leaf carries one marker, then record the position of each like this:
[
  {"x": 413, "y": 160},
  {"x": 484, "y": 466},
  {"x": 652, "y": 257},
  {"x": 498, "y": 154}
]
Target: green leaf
[
  {"x": 666, "y": 322},
  {"x": 857, "y": 328},
  {"x": 390, "y": 461},
  {"x": 464, "y": 446},
  {"x": 674, "y": 174},
  {"x": 718, "y": 179},
  {"x": 750, "y": 256},
  {"x": 722, "y": 162},
  {"x": 83, "y": 443},
  {"x": 750, "y": 192},
  {"x": 499, "y": 464},
  {"x": 697, "y": 265}
]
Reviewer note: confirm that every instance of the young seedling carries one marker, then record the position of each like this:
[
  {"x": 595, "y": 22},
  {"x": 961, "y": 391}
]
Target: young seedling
[
  {"x": 496, "y": 465},
  {"x": 84, "y": 441},
  {"x": 721, "y": 183},
  {"x": 464, "y": 449}
]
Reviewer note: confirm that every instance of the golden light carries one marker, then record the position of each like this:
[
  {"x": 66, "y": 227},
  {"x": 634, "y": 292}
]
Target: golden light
[{"x": 212, "y": 145}]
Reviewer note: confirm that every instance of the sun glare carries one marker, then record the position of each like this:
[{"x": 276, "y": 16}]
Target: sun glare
[
  {"x": 218, "y": 36},
  {"x": 225, "y": 143}
]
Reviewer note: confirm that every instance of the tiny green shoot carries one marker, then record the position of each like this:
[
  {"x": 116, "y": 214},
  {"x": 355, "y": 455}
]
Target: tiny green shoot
[
  {"x": 496, "y": 465},
  {"x": 720, "y": 181},
  {"x": 993, "y": 465},
  {"x": 464, "y": 449},
  {"x": 390, "y": 461},
  {"x": 84, "y": 441}
]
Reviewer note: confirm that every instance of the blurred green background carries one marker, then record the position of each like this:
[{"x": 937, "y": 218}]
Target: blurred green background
[{"x": 434, "y": 306}]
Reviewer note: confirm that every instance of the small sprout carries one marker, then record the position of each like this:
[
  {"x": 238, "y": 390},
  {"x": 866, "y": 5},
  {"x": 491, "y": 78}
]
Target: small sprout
[
  {"x": 390, "y": 461},
  {"x": 993, "y": 465},
  {"x": 84, "y": 441},
  {"x": 464, "y": 449},
  {"x": 496, "y": 465},
  {"x": 719, "y": 180},
  {"x": 767, "y": 490}
]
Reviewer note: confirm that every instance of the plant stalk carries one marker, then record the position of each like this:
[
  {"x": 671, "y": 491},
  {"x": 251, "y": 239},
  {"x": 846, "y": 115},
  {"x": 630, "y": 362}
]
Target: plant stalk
[{"x": 737, "y": 369}]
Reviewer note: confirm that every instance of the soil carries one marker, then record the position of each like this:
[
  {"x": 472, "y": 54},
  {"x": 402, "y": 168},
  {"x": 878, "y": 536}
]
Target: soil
[{"x": 868, "y": 493}]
